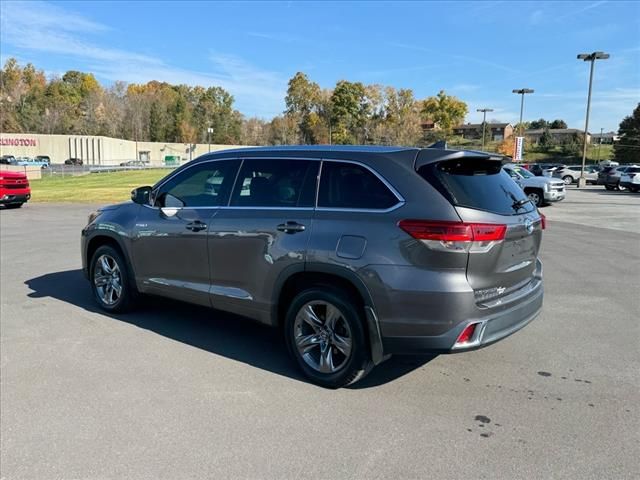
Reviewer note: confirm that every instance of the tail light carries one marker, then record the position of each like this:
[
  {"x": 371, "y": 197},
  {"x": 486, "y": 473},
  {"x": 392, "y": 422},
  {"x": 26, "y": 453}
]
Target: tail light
[{"x": 455, "y": 236}]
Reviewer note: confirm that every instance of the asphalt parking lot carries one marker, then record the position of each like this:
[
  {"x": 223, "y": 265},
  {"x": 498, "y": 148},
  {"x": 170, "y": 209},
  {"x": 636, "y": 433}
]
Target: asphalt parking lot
[{"x": 175, "y": 391}]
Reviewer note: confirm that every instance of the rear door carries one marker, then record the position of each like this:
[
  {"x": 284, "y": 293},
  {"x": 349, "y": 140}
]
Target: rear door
[
  {"x": 264, "y": 231},
  {"x": 483, "y": 193}
]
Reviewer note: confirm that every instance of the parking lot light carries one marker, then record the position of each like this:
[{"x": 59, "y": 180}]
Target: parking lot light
[
  {"x": 588, "y": 57},
  {"x": 484, "y": 121}
]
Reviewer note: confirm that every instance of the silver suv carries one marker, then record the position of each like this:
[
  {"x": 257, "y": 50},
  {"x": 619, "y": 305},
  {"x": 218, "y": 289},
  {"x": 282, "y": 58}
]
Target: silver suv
[{"x": 356, "y": 253}]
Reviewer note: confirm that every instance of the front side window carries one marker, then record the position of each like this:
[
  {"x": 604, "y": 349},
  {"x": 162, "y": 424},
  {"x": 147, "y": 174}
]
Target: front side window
[
  {"x": 205, "y": 185},
  {"x": 348, "y": 185},
  {"x": 276, "y": 183}
]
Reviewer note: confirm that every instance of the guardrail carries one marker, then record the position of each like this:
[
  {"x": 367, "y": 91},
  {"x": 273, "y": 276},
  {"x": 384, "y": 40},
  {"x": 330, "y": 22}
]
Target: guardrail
[{"x": 58, "y": 170}]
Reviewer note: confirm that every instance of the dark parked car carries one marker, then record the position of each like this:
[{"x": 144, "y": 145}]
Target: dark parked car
[
  {"x": 357, "y": 253},
  {"x": 610, "y": 177},
  {"x": 73, "y": 161},
  {"x": 7, "y": 160},
  {"x": 133, "y": 163},
  {"x": 544, "y": 169}
]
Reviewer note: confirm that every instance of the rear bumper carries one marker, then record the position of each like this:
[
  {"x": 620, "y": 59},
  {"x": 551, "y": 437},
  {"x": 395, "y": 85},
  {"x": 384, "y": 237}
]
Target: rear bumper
[
  {"x": 492, "y": 324},
  {"x": 9, "y": 198}
]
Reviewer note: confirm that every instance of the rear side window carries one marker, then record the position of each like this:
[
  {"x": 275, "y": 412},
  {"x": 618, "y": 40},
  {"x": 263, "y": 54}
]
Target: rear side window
[
  {"x": 348, "y": 185},
  {"x": 276, "y": 183},
  {"x": 478, "y": 184}
]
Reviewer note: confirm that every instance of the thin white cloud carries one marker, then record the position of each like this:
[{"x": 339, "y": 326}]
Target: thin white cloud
[
  {"x": 575, "y": 13},
  {"x": 464, "y": 58},
  {"x": 55, "y": 31}
]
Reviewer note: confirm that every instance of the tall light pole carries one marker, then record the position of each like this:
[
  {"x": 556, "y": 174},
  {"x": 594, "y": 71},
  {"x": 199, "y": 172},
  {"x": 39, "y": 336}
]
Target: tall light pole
[
  {"x": 522, "y": 92},
  {"x": 209, "y": 132},
  {"x": 588, "y": 57},
  {"x": 484, "y": 121},
  {"x": 599, "y": 145}
]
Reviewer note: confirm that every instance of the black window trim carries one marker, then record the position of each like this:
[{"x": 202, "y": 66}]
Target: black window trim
[
  {"x": 228, "y": 206},
  {"x": 399, "y": 197}
]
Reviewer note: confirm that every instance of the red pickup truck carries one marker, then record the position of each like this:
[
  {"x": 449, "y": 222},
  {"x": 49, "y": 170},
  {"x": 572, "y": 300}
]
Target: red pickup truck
[{"x": 14, "y": 189}]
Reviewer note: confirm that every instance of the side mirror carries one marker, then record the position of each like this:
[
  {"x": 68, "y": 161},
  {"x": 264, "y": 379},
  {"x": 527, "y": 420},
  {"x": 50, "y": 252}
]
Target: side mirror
[{"x": 141, "y": 195}]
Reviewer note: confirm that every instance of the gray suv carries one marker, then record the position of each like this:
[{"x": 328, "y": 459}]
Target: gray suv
[{"x": 356, "y": 253}]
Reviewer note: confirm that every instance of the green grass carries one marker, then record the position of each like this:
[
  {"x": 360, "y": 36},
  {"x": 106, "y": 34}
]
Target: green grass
[{"x": 94, "y": 187}]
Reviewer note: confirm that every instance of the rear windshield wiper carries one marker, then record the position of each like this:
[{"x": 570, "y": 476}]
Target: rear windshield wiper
[{"x": 518, "y": 204}]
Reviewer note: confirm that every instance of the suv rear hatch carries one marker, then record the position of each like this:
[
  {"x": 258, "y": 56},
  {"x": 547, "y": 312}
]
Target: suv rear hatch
[{"x": 502, "y": 263}]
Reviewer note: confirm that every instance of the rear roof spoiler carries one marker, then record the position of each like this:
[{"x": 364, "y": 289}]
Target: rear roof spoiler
[{"x": 438, "y": 153}]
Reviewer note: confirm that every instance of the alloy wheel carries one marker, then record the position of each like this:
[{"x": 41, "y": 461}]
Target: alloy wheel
[
  {"x": 107, "y": 279},
  {"x": 323, "y": 337}
]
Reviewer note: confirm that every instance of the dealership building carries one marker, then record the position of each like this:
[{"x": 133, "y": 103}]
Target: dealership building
[{"x": 98, "y": 150}]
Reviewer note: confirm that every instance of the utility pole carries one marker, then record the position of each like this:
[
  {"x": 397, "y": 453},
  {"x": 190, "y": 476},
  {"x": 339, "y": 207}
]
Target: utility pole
[
  {"x": 484, "y": 121},
  {"x": 588, "y": 57}
]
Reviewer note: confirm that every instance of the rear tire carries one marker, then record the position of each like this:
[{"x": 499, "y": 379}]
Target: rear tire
[
  {"x": 110, "y": 282},
  {"x": 567, "y": 179},
  {"x": 325, "y": 336},
  {"x": 608, "y": 187}
]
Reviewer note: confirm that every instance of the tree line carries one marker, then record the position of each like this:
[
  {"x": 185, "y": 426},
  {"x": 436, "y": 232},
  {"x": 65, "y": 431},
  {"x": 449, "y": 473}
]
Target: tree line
[
  {"x": 351, "y": 112},
  {"x": 348, "y": 113}
]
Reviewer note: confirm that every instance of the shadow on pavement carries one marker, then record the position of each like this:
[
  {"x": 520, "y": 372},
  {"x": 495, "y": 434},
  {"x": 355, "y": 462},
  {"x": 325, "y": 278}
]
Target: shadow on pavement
[{"x": 217, "y": 332}]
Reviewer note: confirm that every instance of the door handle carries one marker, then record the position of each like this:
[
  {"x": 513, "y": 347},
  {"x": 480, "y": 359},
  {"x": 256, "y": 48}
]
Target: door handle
[
  {"x": 196, "y": 226},
  {"x": 291, "y": 227}
]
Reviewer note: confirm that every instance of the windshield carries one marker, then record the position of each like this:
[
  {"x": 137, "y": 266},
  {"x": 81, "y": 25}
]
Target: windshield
[
  {"x": 524, "y": 172},
  {"x": 478, "y": 184}
]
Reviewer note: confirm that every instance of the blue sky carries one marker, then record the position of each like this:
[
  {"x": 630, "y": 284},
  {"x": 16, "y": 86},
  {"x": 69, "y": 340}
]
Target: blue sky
[{"x": 478, "y": 51}]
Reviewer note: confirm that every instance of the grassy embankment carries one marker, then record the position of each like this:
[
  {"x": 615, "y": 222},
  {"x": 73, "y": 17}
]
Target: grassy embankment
[{"x": 93, "y": 188}]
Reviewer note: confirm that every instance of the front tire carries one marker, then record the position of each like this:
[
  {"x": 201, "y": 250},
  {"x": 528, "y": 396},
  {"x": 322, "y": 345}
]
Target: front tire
[
  {"x": 325, "y": 336},
  {"x": 567, "y": 179},
  {"x": 536, "y": 197},
  {"x": 110, "y": 282}
]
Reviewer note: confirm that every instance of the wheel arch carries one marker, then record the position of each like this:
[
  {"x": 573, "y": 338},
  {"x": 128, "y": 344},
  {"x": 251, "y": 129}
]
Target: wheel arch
[
  {"x": 297, "y": 279},
  {"x": 104, "y": 238}
]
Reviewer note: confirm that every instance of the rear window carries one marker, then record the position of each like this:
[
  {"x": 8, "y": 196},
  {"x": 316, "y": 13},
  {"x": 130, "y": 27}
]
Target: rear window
[{"x": 478, "y": 184}]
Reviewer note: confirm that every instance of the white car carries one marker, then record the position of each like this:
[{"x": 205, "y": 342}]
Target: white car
[
  {"x": 630, "y": 179},
  {"x": 570, "y": 174}
]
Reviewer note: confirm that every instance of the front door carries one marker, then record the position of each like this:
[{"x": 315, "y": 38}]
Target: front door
[
  {"x": 264, "y": 231},
  {"x": 170, "y": 239}
]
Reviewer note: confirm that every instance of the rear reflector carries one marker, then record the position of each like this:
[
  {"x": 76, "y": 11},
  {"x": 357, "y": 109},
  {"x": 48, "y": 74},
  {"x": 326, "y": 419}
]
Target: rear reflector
[
  {"x": 453, "y": 231},
  {"x": 543, "y": 221},
  {"x": 466, "y": 334}
]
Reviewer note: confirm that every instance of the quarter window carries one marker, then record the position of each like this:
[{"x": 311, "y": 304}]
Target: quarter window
[
  {"x": 347, "y": 185},
  {"x": 204, "y": 185},
  {"x": 276, "y": 183}
]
